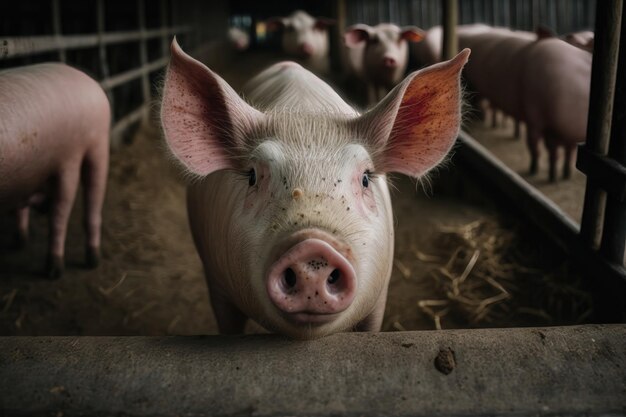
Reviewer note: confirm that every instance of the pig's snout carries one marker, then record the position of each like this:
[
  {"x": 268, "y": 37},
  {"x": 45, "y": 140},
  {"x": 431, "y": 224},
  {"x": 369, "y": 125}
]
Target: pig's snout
[
  {"x": 389, "y": 62},
  {"x": 310, "y": 280},
  {"x": 306, "y": 49}
]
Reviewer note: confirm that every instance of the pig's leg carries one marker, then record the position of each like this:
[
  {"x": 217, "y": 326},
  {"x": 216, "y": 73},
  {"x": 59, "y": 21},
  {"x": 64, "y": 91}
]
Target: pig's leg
[
  {"x": 374, "y": 322},
  {"x": 532, "y": 141},
  {"x": 94, "y": 180},
  {"x": 21, "y": 235},
  {"x": 230, "y": 320},
  {"x": 67, "y": 183},
  {"x": 553, "y": 152},
  {"x": 567, "y": 162}
]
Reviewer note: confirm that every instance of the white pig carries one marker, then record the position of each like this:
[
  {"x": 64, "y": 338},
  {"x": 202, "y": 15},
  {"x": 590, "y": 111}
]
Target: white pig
[
  {"x": 54, "y": 132},
  {"x": 291, "y": 212},
  {"x": 383, "y": 51},
  {"x": 304, "y": 38}
]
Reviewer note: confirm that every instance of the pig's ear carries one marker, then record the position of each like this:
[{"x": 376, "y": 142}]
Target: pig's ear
[
  {"x": 412, "y": 129},
  {"x": 356, "y": 34},
  {"x": 544, "y": 32},
  {"x": 203, "y": 119},
  {"x": 412, "y": 34}
]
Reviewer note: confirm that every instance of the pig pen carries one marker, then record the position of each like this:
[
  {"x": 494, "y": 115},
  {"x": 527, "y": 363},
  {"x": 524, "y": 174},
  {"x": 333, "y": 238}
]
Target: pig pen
[{"x": 462, "y": 259}]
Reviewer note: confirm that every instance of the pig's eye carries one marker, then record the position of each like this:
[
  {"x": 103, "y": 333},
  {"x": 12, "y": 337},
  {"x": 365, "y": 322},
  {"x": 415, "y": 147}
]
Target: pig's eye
[
  {"x": 365, "y": 181},
  {"x": 251, "y": 177}
]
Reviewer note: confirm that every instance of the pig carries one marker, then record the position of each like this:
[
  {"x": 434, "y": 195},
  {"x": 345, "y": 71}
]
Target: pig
[
  {"x": 290, "y": 210},
  {"x": 381, "y": 54},
  {"x": 238, "y": 39},
  {"x": 582, "y": 39},
  {"x": 494, "y": 70},
  {"x": 554, "y": 96},
  {"x": 304, "y": 38},
  {"x": 54, "y": 131}
]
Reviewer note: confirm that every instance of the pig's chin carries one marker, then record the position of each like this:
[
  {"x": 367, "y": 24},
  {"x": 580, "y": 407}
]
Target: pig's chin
[{"x": 304, "y": 326}]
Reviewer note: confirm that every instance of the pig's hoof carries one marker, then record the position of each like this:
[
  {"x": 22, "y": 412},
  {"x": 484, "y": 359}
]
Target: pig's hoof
[
  {"x": 55, "y": 267},
  {"x": 93, "y": 257}
]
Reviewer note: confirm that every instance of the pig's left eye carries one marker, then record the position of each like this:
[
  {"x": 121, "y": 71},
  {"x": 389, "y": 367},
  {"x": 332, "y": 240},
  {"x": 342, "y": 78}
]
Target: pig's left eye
[
  {"x": 251, "y": 177},
  {"x": 365, "y": 181}
]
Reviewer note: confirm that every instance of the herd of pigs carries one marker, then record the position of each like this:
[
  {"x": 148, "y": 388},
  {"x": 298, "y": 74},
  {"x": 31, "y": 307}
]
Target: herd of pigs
[{"x": 289, "y": 205}]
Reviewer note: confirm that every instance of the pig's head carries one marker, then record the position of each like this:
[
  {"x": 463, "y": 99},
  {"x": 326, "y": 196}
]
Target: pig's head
[
  {"x": 302, "y": 35},
  {"x": 386, "y": 45},
  {"x": 308, "y": 230}
]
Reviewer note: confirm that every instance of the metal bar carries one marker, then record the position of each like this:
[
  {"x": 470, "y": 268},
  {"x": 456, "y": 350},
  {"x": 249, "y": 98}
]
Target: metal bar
[
  {"x": 143, "y": 51},
  {"x": 574, "y": 371},
  {"x": 56, "y": 27},
  {"x": 102, "y": 51},
  {"x": 164, "y": 37},
  {"x": 603, "y": 75},
  {"x": 603, "y": 170},
  {"x": 613, "y": 244},
  {"x": 112, "y": 82},
  {"x": 11, "y": 47},
  {"x": 450, "y": 18}
]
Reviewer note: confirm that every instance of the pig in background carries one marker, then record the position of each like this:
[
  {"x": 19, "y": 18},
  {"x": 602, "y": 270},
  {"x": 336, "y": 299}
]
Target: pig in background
[
  {"x": 554, "y": 90},
  {"x": 378, "y": 55},
  {"x": 290, "y": 210},
  {"x": 304, "y": 38},
  {"x": 220, "y": 52},
  {"x": 54, "y": 132}
]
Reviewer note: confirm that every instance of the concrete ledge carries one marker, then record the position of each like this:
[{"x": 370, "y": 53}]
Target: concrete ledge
[{"x": 579, "y": 370}]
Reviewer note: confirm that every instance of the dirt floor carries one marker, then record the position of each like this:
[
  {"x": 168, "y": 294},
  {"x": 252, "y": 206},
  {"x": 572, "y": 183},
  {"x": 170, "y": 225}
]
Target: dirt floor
[{"x": 457, "y": 264}]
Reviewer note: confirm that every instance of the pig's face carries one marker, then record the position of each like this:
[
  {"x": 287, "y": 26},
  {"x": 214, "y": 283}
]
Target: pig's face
[
  {"x": 303, "y": 35},
  {"x": 386, "y": 44},
  {"x": 317, "y": 226},
  {"x": 306, "y": 219}
]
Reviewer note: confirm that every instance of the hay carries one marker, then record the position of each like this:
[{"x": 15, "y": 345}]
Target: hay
[{"x": 482, "y": 276}]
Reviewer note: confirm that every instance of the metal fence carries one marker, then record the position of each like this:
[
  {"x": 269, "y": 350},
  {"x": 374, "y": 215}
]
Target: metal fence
[
  {"x": 124, "y": 44},
  {"x": 563, "y": 16}
]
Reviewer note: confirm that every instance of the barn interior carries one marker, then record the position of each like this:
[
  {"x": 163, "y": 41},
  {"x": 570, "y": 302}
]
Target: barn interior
[{"x": 479, "y": 241}]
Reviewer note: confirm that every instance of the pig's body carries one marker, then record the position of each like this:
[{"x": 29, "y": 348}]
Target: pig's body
[
  {"x": 54, "y": 122},
  {"x": 495, "y": 68},
  {"x": 305, "y": 39},
  {"x": 380, "y": 55},
  {"x": 554, "y": 92},
  {"x": 292, "y": 216}
]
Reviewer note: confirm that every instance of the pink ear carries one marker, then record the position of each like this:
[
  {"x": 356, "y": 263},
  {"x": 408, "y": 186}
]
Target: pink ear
[
  {"x": 415, "y": 125},
  {"x": 203, "y": 119},
  {"x": 412, "y": 34},
  {"x": 355, "y": 35}
]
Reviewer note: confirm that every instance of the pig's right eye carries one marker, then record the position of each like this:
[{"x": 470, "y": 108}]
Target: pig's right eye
[{"x": 251, "y": 177}]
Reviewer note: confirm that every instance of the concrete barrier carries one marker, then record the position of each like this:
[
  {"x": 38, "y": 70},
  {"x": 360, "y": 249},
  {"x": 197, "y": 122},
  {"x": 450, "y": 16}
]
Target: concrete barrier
[{"x": 579, "y": 370}]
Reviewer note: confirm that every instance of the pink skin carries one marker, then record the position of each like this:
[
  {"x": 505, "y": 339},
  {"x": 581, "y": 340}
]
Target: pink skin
[
  {"x": 311, "y": 279},
  {"x": 383, "y": 54},
  {"x": 495, "y": 68},
  {"x": 292, "y": 189},
  {"x": 554, "y": 88},
  {"x": 54, "y": 132},
  {"x": 304, "y": 38}
]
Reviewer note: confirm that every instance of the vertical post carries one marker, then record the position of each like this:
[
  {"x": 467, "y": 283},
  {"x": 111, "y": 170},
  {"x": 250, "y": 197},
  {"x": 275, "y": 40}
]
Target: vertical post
[
  {"x": 164, "y": 36},
  {"x": 603, "y": 75},
  {"x": 143, "y": 53},
  {"x": 450, "y": 18},
  {"x": 614, "y": 231},
  {"x": 102, "y": 50},
  {"x": 56, "y": 28},
  {"x": 340, "y": 28}
]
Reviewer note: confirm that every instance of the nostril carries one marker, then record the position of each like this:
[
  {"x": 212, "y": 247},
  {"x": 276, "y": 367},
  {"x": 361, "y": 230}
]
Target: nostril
[
  {"x": 290, "y": 278},
  {"x": 334, "y": 277}
]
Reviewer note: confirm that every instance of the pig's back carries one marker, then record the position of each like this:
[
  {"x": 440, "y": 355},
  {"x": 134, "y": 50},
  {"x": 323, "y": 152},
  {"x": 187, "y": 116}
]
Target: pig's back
[
  {"x": 50, "y": 114},
  {"x": 287, "y": 86}
]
